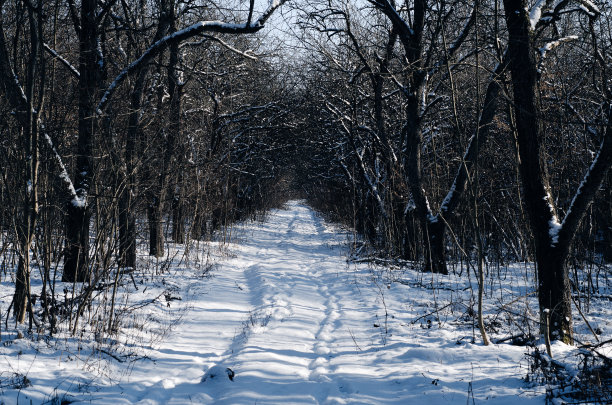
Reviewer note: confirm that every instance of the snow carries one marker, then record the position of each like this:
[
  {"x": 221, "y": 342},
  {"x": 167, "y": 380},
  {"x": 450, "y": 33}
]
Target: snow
[
  {"x": 589, "y": 7},
  {"x": 553, "y": 230},
  {"x": 553, "y": 44},
  {"x": 77, "y": 200},
  {"x": 282, "y": 310},
  {"x": 535, "y": 13},
  {"x": 449, "y": 195},
  {"x": 70, "y": 67},
  {"x": 554, "y": 226}
]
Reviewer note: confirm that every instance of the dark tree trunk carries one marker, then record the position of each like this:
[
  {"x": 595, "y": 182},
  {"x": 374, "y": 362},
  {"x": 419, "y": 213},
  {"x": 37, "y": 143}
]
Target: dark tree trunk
[
  {"x": 174, "y": 148},
  {"x": 157, "y": 201},
  {"x": 411, "y": 37},
  {"x": 178, "y": 220},
  {"x": 554, "y": 293},
  {"x": 127, "y": 218},
  {"x": 156, "y": 229},
  {"x": 552, "y": 238},
  {"x": 77, "y": 244},
  {"x": 432, "y": 227},
  {"x": 435, "y": 252},
  {"x": 29, "y": 122},
  {"x": 76, "y": 255},
  {"x": 22, "y": 289},
  {"x": 127, "y": 229},
  {"x": 554, "y": 288}
]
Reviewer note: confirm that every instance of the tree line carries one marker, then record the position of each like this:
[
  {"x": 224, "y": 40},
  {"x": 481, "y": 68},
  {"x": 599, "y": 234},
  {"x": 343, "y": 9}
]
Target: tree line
[
  {"x": 119, "y": 113},
  {"x": 466, "y": 131}
]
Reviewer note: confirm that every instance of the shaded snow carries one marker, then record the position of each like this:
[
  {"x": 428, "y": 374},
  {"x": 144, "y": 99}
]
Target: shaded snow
[{"x": 296, "y": 324}]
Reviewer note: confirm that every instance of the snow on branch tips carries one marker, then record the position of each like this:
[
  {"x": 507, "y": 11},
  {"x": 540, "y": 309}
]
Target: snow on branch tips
[
  {"x": 589, "y": 7},
  {"x": 553, "y": 44}
]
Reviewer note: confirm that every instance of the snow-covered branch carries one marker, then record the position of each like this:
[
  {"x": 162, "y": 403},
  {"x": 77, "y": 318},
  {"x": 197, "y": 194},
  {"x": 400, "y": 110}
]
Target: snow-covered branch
[
  {"x": 588, "y": 187},
  {"x": 76, "y": 200},
  {"x": 71, "y": 68},
  {"x": 181, "y": 35},
  {"x": 553, "y": 44},
  {"x": 535, "y": 13}
]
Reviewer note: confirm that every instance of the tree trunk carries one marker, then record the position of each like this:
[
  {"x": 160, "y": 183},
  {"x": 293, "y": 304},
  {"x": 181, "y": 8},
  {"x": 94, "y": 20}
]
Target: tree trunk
[
  {"x": 435, "y": 253},
  {"x": 178, "y": 220},
  {"x": 410, "y": 237},
  {"x": 77, "y": 244},
  {"x": 156, "y": 230},
  {"x": 554, "y": 291},
  {"x": 127, "y": 229},
  {"x": 127, "y": 218},
  {"x": 78, "y": 214},
  {"x": 30, "y": 119},
  {"x": 22, "y": 289}
]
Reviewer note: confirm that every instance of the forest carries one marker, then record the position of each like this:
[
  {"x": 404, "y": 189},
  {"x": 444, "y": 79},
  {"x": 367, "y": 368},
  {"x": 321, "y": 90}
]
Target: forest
[{"x": 447, "y": 136}]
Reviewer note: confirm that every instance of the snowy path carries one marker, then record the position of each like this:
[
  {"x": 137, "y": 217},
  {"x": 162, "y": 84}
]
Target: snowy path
[
  {"x": 297, "y": 325},
  {"x": 308, "y": 329},
  {"x": 296, "y": 315}
]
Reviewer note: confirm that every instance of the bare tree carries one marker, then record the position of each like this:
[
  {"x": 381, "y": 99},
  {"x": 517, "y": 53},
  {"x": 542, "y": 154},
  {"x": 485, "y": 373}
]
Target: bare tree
[{"x": 552, "y": 237}]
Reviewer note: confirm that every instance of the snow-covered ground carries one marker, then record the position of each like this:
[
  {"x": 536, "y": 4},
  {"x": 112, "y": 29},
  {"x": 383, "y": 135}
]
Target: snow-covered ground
[{"x": 296, "y": 323}]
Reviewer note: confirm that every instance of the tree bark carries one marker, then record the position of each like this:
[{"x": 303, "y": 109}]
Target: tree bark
[
  {"x": 175, "y": 88},
  {"x": 28, "y": 111},
  {"x": 127, "y": 217},
  {"x": 554, "y": 288},
  {"x": 156, "y": 231},
  {"x": 76, "y": 256},
  {"x": 552, "y": 239},
  {"x": 435, "y": 252}
]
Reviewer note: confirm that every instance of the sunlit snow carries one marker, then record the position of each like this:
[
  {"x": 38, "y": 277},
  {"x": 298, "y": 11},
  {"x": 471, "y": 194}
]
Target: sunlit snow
[{"x": 281, "y": 310}]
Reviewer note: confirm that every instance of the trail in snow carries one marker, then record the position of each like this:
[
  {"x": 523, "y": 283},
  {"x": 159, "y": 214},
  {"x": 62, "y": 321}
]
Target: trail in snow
[
  {"x": 297, "y": 325},
  {"x": 285, "y": 357},
  {"x": 311, "y": 331}
]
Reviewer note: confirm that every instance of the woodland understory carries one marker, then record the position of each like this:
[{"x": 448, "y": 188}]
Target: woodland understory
[{"x": 453, "y": 137}]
